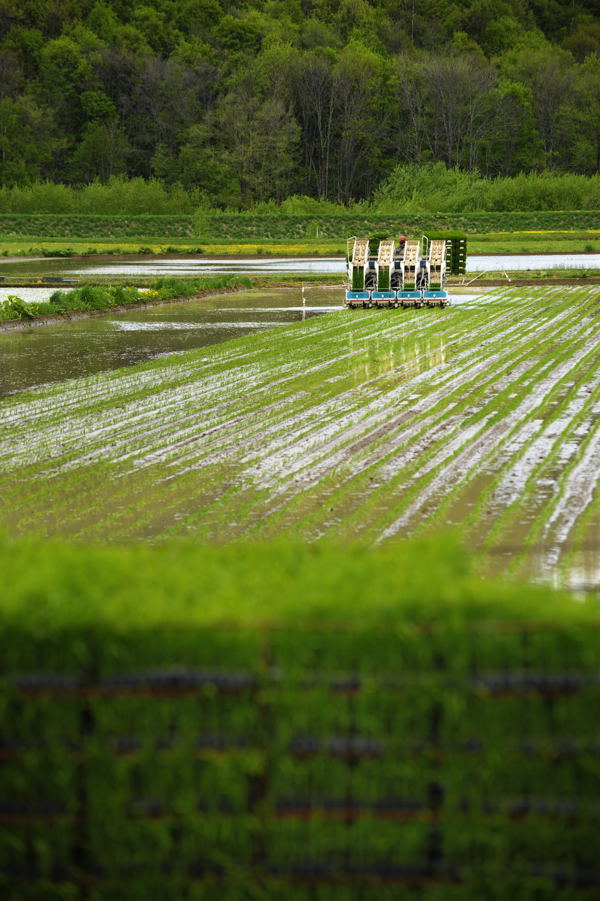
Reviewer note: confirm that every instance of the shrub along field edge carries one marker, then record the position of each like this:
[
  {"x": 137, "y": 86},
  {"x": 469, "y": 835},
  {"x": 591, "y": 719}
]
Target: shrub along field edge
[
  {"x": 299, "y": 718},
  {"x": 106, "y": 297}
]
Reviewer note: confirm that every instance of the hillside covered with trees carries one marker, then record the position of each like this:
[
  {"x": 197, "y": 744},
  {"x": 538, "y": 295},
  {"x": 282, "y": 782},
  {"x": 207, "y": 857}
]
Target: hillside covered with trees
[{"x": 255, "y": 101}]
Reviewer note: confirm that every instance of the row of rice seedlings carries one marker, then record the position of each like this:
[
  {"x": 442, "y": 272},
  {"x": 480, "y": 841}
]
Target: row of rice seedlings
[
  {"x": 157, "y": 400},
  {"x": 267, "y": 379},
  {"x": 442, "y": 405},
  {"x": 217, "y": 398},
  {"x": 522, "y": 441},
  {"x": 577, "y": 565},
  {"x": 356, "y": 394},
  {"x": 552, "y": 463},
  {"x": 98, "y": 387},
  {"x": 257, "y": 485},
  {"x": 416, "y": 454},
  {"x": 472, "y": 505},
  {"x": 575, "y": 491},
  {"x": 132, "y": 393},
  {"x": 480, "y": 414},
  {"x": 492, "y": 465}
]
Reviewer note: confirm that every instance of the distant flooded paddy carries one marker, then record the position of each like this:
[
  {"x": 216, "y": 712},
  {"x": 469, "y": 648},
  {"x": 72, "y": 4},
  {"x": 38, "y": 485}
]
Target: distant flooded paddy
[
  {"x": 71, "y": 348},
  {"x": 143, "y": 267}
]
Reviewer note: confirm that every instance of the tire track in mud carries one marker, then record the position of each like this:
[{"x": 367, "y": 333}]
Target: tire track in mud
[{"x": 372, "y": 424}]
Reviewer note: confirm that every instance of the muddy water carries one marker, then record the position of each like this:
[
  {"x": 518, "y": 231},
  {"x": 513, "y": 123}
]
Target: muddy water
[{"x": 69, "y": 349}]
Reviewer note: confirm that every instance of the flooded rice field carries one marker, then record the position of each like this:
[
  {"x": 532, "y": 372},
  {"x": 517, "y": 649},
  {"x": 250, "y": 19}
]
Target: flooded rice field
[
  {"x": 530, "y": 261},
  {"x": 143, "y": 267},
  {"x": 483, "y": 419},
  {"x": 67, "y": 349}
]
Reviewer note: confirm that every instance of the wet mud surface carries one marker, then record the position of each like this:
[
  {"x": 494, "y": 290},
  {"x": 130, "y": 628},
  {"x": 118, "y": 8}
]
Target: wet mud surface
[{"x": 80, "y": 344}]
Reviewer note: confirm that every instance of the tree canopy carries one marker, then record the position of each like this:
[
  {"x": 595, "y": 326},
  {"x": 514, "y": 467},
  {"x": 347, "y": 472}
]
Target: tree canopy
[{"x": 257, "y": 100}]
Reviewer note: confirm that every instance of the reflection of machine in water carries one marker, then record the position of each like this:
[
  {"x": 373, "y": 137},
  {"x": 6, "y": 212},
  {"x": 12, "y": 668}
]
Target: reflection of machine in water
[{"x": 384, "y": 272}]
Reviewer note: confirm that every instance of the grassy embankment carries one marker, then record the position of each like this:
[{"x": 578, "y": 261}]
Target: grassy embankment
[
  {"x": 287, "y": 723},
  {"x": 501, "y": 242},
  {"x": 247, "y": 233},
  {"x": 365, "y": 425},
  {"x": 91, "y": 298}
]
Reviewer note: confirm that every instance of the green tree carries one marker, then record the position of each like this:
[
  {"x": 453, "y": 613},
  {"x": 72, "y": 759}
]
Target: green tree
[
  {"x": 11, "y": 74},
  {"x": 458, "y": 112},
  {"x": 101, "y": 153},
  {"x": 104, "y": 22},
  {"x": 237, "y": 35},
  {"x": 28, "y": 142},
  {"x": 163, "y": 100},
  {"x": 158, "y": 30},
  {"x": 370, "y": 83},
  {"x": 584, "y": 41},
  {"x": 245, "y": 152},
  {"x": 512, "y": 143},
  {"x": 203, "y": 164},
  {"x": 362, "y": 78},
  {"x": 549, "y": 73},
  {"x": 582, "y": 117},
  {"x": 197, "y": 17},
  {"x": 27, "y": 44},
  {"x": 410, "y": 137},
  {"x": 317, "y": 101},
  {"x": 96, "y": 105},
  {"x": 64, "y": 74},
  {"x": 494, "y": 24}
]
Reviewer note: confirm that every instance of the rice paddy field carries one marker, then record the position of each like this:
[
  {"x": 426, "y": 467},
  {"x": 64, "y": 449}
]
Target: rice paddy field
[
  {"x": 482, "y": 419},
  {"x": 223, "y": 673}
]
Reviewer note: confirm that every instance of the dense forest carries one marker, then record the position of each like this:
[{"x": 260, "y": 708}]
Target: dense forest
[{"x": 247, "y": 102}]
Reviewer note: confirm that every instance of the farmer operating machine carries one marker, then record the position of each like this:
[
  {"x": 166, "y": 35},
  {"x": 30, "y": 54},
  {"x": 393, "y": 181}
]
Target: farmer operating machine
[{"x": 384, "y": 272}]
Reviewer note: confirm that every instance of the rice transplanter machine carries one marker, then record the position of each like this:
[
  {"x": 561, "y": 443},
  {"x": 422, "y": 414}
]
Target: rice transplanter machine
[{"x": 384, "y": 272}]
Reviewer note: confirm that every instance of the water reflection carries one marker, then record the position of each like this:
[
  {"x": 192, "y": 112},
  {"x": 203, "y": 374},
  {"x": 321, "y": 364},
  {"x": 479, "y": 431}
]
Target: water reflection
[
  {"x": 29, "y": 295},
  {"x": 578, "y": 572},
  {"x": 146, "y": 268},
  {"x": 69, "y": 349},
  {"x": 137, "y": 326}
]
